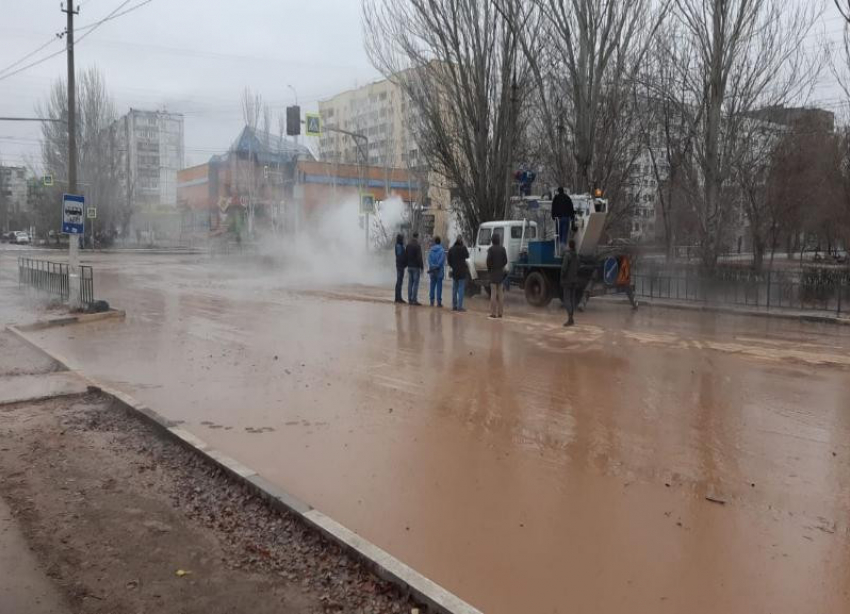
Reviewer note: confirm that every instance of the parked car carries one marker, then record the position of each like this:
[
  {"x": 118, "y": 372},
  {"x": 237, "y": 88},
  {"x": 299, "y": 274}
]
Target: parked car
[
  {"x": 8, "y": 237},
  {"x": 22, "y": 238}
]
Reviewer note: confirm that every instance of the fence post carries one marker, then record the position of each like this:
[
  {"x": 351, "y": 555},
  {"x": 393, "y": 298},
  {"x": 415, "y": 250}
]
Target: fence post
[{"x": 768, "y": 290}]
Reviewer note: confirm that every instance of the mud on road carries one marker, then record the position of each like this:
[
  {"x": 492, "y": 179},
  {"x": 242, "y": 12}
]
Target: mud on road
[{"x": 125, "y": 521}]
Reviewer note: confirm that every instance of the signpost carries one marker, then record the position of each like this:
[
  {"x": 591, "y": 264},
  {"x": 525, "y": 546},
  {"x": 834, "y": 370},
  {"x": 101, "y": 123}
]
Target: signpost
[
  {"x": 314, "y": 124},
  {"x": 91, "y": 214},
  {"x": 73, "y": 225},
  {"x": 367, "y": 208}
]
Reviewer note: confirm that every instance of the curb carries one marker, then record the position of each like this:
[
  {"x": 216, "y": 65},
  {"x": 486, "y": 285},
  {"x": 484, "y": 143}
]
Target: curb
[
  {"x": 778, "y": 315},
  {"x": 81, "y": 318},
  {"x": 380, "y": 562}
]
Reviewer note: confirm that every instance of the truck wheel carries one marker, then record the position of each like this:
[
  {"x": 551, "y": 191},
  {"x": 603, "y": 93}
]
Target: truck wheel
[
  {"x": 471, "y": 289},
  {"x": 537, "y": 291}
]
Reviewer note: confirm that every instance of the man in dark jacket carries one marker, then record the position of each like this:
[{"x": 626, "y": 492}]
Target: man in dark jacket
[
  {"x": 563, "y": 212},
  {"x": 497, "y": 260},
  {"x": 400, "y": 265},
  {"x": 457, "y": 262},
  {"x": 415, "y": 264},
  {"x": 570, "y": 283}
]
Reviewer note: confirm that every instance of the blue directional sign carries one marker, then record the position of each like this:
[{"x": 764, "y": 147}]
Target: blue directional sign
[
  {"x": 73, "y": 214},
  {"x": 611, "y": 269}
]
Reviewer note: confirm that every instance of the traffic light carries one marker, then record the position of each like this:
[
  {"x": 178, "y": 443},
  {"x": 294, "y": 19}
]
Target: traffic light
[{"x": 293, "y": 120}]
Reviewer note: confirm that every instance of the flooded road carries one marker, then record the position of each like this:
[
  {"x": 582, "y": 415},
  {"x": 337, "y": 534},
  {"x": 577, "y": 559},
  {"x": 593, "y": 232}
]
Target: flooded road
[{"x": 648, "y": 462}]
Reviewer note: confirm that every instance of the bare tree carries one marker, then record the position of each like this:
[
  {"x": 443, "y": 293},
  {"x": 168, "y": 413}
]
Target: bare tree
[
  {"x": 583, "y": 56},
  {"x": 747, "y": 55},
  {"x": 459, "y": 65},
  {"x": 98, "y": 148}
]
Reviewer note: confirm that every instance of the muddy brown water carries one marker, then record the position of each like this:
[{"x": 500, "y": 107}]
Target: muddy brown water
[{"x": 652, "y": 462}]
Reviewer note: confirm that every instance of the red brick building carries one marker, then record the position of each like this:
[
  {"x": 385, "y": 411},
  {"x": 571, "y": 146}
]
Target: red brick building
[{"x": 263, "y": 184}]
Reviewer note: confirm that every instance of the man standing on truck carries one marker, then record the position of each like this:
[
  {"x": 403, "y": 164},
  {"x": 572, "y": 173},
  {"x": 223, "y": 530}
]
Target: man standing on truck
[
  {"x": 497, "y": 260},
  {"x": 563, "y": 212},
  {"x": 413, "y": 254},
  {"x": 458, "y": 255},
  {"x": 400, "y": 265},
  {"x": 570, "y": 282}
]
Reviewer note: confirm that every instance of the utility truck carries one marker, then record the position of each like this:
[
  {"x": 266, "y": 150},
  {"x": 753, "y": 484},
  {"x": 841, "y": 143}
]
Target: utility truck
[{"x": 535, "y": 252}]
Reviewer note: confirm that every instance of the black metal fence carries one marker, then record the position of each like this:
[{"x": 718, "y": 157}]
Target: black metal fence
[
  {"x": 53, "y": 278},
  {"x": 808, "y": 290}
]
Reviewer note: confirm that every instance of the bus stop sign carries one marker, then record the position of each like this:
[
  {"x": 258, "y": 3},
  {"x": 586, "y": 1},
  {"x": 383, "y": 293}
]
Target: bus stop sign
[{"x": 73, "y": 207}]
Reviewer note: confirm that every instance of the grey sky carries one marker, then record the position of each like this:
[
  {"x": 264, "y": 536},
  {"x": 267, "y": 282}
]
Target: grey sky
[
  {"x": 191, "y": 56},
  {"x": 196, "y": 56}
]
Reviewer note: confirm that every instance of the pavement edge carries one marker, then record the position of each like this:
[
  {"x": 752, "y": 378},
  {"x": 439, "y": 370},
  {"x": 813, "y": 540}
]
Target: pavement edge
[
  {"x": 719, "y": 309},
  {"x": 383, "y": 564}
]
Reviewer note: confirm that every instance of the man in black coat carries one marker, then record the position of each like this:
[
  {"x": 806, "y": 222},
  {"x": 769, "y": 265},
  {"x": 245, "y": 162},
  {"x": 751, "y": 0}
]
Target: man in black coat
[
  {"x": 563, "y": 212},
  {"x": 570, "y": 283},
  {"x": 400, "y": 265},
  {"x": 415, "y": 264},
  {"x": 460, "y": 270},
  {"x": 497, "y": 261}
]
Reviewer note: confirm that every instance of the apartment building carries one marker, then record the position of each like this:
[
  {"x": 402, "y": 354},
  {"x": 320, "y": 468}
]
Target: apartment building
[
  {"x": 381, "y": 112},
  {"x": 150, "y": 145},
  {"x": 13, "y": 197}
]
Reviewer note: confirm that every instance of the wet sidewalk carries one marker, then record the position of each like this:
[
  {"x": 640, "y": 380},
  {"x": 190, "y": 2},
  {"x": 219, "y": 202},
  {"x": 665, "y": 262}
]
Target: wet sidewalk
[{"x": 25, "y": 587}]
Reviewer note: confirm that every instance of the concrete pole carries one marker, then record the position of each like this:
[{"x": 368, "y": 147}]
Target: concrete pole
[{"x": 73, "y": 240}]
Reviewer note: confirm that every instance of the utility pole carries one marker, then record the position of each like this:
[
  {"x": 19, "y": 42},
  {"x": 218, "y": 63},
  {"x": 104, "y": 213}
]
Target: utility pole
[{"x": 73, "y": 240}]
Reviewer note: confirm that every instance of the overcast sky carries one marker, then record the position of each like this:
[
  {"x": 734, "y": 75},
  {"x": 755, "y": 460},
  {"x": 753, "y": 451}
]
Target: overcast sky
[
  {"x": 196, "y": 56},
  {"x": 190, "y": 56}
]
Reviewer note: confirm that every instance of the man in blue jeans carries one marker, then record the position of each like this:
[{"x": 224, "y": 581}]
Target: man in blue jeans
[
  {"x": 458, "y": 255},
  {"x": 436, "y": 270},
  {"x": 415, "y": 264}
]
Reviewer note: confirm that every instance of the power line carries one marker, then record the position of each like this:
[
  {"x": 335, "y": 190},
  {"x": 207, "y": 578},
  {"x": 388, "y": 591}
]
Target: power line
[
  {"x": 36, "y": 63},
  {"x": 90, "y": 28},
  {"x": 30, "y": 54}
]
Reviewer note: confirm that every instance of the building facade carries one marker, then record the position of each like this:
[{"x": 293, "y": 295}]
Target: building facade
[
  {"x": 150, "y": 145},
  {"x": 13, "y": 198},
  {"x": 380, "y": 111},
  {"x": 384, "y": 115},
  {"x": 265, "y": 185}
]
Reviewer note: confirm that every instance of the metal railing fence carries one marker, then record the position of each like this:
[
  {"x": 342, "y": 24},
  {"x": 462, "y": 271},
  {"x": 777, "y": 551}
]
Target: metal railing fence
[{"x": 53, "y": 278}]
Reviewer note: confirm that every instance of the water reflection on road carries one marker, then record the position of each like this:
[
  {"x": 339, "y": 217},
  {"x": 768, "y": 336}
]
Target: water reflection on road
[{"x": 526, "y": 467}]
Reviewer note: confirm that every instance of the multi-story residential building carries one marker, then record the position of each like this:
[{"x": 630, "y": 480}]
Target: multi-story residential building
[
  {"x": 150, "y": 144},
  {"x": 13, "y": 197},
  {"x": 385, "y": 116},
  {"x": 382, "y": 113}
]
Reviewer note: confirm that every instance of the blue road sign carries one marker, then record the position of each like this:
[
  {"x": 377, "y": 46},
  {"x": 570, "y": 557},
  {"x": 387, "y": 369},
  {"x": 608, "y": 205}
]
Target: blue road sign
[
  {"x": 73, "y": 214},
  {"x": 611, "y": 269}
]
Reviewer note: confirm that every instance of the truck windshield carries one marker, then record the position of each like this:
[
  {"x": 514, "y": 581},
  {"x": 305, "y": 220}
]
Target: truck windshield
[
  {"x": 530, "y": 232},
  {"x": 485, "y": 235}
]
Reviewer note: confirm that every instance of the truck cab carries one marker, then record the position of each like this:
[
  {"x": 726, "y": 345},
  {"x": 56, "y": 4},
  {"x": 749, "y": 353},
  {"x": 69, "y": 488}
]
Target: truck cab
[{"x": 514, "y": 235}]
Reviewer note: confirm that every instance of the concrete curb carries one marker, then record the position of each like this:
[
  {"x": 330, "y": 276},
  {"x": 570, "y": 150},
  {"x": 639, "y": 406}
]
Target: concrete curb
[
  {"x": 383, "y": 564},
  {"x": 81, "y": 318},
  {"x": 777, "y": 315}
]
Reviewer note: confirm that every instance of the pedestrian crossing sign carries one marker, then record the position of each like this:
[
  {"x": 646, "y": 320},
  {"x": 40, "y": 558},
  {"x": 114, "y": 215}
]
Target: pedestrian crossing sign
[
  {"x": 314, "y": 124},
  {"x": 47, "y": 180},
  {"x": 367, "y": 204}
]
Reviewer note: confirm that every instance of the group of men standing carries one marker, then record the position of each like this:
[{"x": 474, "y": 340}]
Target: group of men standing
[{"x": 409, "y": 257}]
